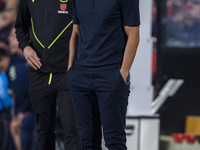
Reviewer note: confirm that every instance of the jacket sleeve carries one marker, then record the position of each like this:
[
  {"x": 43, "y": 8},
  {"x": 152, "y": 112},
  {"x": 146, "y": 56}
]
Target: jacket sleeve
[{"x": 23, "y": 24}]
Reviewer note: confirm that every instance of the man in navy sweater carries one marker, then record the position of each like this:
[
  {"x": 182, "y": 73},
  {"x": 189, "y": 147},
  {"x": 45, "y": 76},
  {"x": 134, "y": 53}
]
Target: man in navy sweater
[{"x": 103, "y": 45}]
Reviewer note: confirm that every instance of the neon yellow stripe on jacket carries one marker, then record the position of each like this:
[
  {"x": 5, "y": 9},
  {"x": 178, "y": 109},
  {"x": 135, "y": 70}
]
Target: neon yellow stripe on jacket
[
  {"x": 64, "y": 1},
  {"x": 54, "y": 40},
  {"x": 50, "y": 78},
  {"x": 60, "y": 34},
  {"x": 35, "y": 34}
]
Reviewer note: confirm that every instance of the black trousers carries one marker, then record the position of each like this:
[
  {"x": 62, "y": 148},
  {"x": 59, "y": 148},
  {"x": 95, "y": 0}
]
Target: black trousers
[
  {"x": 45, "y": 89},
  {"x": 99, "y": 98}
]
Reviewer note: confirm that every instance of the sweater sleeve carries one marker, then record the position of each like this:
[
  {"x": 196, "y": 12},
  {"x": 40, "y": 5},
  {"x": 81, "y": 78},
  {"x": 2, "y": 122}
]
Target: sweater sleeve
[
  {"x": 130, "y": 12},
  {"x": 75, "y": 16}
]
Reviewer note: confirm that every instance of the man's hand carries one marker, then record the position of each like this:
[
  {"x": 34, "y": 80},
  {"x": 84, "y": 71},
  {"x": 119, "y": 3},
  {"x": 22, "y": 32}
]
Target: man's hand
[
  {"x": 69, "y": 66},
  {"x": 124, "y": 74},
  {"x": 130, "y": 50},
  {"x": 32, "y": 58},
  {"x": 73, "y": 45}
]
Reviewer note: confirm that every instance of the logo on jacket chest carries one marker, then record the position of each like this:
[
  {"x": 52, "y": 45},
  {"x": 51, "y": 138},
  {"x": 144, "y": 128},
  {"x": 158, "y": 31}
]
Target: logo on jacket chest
[{"x": 63, "y": 8}]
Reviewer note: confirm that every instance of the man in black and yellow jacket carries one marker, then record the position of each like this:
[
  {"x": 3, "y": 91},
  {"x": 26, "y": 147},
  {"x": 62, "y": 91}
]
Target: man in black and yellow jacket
[{"x": 43, "y": 29}]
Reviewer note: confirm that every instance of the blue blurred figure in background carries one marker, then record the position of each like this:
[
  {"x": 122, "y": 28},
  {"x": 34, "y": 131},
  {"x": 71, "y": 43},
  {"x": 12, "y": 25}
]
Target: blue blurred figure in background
[{"x": 22, "y": 124}]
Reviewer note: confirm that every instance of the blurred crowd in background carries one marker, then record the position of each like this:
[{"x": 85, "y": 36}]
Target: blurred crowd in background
[
  {"x": 182, "y": 23},
  {"x": 8, "y": 12},
  {"x": 17, "y": 120}
]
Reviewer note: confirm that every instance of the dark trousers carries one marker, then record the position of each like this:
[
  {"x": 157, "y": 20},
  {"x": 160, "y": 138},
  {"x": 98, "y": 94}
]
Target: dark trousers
[
  {"x": 44, "y": 91},
  {"x": 99, "y": 98}
]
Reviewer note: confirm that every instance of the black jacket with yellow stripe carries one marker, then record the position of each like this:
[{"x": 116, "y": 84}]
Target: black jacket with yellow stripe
[{"x": 46, "y": 26}]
